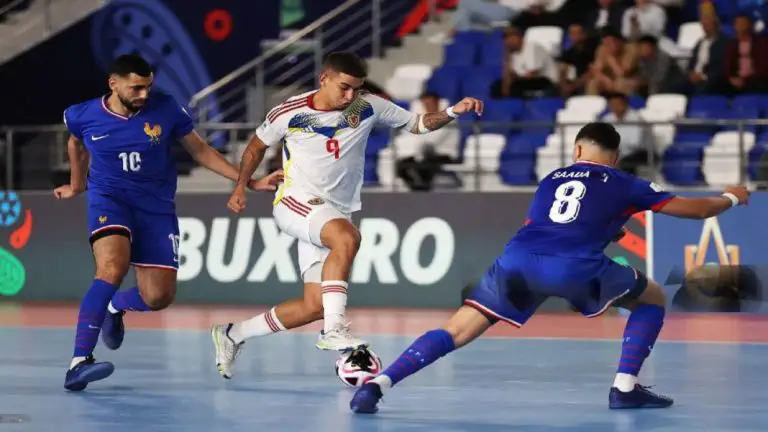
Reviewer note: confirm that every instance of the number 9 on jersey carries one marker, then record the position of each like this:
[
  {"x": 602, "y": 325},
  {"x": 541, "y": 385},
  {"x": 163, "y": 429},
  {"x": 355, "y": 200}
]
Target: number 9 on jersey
[{"x": 567, "y": 203}]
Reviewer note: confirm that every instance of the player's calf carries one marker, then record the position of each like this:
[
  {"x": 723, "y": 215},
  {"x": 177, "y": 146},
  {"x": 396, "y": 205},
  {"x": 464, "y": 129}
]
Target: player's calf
[{"x": 642, "y": 330}]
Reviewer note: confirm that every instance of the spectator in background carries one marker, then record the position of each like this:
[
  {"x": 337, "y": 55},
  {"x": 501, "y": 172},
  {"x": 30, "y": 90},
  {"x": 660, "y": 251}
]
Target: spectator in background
[
  {"x": 437, "y": 148},
  {"x": 471, "y": 14},
  {"x": 529, "y": 70},
  {"x": 575, "y": 62},
  {"x": 609, "y": 15},
  {"x": 646, "y": 18},
  {"x": 541, "y": 13},
  {"x": 615, "y": 67},
  {"x": 658, "y": 72},
  {"x": 705, "y": 70},
  {"x": 636, "y": 139},
  {"x": 746, "y": 59}
]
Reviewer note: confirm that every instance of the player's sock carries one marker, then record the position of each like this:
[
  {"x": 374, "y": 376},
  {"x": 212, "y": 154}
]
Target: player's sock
[
  {"x": 264, "y": 324},
  {"x": 128, "y": 300},
  {"x": 334, "y": 295},
  {"x": 643, "y": 327},
  {"x": 424, "y": 351},
  {"x": 92, "y": 311}
]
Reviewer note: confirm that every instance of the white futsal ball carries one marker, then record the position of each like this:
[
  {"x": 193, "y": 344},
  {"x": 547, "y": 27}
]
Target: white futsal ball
[{"x": 355, "y": 368}]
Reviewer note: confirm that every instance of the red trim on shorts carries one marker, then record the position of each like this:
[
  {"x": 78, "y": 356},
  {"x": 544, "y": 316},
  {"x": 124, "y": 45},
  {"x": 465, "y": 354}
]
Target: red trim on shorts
[
  {"x": 489, "y": 313},
  {"x": 293, "y": 208},
  {"x": 155, "y": 266},
  {"x": 298, "y": 204}
]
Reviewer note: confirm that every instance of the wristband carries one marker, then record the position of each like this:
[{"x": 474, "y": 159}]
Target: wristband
[
  {"x": 732, "y": 197},
  {"x": 450, "y": 113}
]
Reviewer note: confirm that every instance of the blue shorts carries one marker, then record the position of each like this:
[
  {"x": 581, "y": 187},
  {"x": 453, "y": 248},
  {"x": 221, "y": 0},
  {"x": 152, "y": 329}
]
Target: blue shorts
[
  {"x": 154, "y": 236},
  {"x": 517, "y": 284}
]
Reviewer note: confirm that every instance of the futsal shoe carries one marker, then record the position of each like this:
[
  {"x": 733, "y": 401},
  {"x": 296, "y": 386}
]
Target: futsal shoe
[
  {"x": 339, "y": 339},
  {"x": 113, "y": 330},
  {"x": 366, "y": 398},
  {"x": 226, "y": 349},
  {"x": 87, "y": 371},
  {"x": 640, "y": 397}
]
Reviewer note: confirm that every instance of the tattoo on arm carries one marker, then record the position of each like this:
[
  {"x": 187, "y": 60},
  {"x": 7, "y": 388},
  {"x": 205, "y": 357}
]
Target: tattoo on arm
[{"x": 434, "y": 121}]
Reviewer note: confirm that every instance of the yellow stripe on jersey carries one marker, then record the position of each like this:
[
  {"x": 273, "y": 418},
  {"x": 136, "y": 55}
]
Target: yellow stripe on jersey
[{"x": 286, "y": 178}]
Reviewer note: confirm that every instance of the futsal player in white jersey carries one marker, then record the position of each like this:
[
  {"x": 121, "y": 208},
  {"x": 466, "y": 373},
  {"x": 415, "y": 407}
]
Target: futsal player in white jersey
[{"x": 324, "y": 133}]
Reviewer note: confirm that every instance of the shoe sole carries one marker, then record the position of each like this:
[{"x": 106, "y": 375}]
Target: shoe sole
[
  {"x": 94, "y": 374},
  {"x": 646, "y": 406},
  {"x": 327, "y": 347},
  {"x": 217, "y": 349}
]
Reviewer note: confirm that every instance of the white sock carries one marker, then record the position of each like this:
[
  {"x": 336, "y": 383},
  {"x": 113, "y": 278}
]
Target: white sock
[
  {"x": 625, "y": 382},
  {"x": 264, "y": 324},
  {"x": 111, "y": 309},
  {"x": 334, "y": 294},
  {"x": 76, "y": 361},
  {"x": 383, "y": 381}
]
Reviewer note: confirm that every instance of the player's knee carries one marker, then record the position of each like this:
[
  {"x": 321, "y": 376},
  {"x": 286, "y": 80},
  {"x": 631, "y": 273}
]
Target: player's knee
[
  {"x": 158, "y": 298},
  {"x": 347, "y": 243},
  {"x": 112, "y": 271}
]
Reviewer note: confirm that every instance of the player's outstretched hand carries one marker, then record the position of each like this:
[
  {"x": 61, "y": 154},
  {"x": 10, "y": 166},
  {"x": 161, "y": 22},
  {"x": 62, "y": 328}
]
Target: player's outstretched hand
[
  {"x": 236, "y": 202},
  {"x": 268, "y": 183},
  {"x": 741, "y": 192},
  {"x": 65, "y": 192},
  {"x": 469, "y": 104}
]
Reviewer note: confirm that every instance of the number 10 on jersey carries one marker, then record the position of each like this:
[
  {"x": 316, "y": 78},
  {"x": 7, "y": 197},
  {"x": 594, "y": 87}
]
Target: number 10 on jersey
[
  {"x": 567, "y": 203},
  {"x": 332, "y": 146}
]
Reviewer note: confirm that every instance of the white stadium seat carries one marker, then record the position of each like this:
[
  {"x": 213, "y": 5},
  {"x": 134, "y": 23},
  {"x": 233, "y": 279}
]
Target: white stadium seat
[
  {"x": 549, "y": 37},
  {"x": 722, "y": 158},
  {"x": 594, "y": 105},
  {"x": 689, "y": 35}
]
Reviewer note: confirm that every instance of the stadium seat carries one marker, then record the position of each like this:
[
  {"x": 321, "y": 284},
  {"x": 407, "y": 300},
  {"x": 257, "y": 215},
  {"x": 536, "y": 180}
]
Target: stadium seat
[
  {"x": 705, "y": 108},
  {"x": 663, "y": 134},
  {"x": 670, "y": 103},
  {"x": 407, "y": 81},
  {"x": 418, "y": 108},
  {"x": 445, "y": 82},
  {"x": 414, "y": 71},
  {"x": 492, "y": 50},
  {"x": 689, "y": 35},
  {"x": 459, "y": 54},
  {"x": 549, "y": 37},
  {"x": 681, "y": 165},
  {"x": 591, "y": 104},
  {"x": 722, "y": 158},
  {"x": 483, "y": 153},
  {"x": 559, "y": 145}
]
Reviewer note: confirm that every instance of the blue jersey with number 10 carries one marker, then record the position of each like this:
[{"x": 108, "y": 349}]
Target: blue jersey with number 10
[
  {"x": 131, "y": 156},
  {"x": 577, "y": 210}
]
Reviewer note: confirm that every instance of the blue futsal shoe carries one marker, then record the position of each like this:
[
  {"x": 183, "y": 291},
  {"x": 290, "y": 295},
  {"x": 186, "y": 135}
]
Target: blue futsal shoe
[
  {"x": 366, "y": 398},
  {"x": 113, "y": 330},
  {"x": 87, "y": 371},
  {"x": 640, "y": 397}
]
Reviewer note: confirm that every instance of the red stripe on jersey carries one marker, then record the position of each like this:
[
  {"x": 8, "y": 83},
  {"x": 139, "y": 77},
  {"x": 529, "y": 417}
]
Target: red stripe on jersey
[
  {"x": 298, "y": 204},
  {"x": 660, "y": 205},
  {"x": 285, "y": 109},
  {"x": 293, "y": 208}
]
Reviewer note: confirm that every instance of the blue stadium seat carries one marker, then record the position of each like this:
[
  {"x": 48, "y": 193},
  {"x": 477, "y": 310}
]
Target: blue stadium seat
[
  {"x": 370, "y": 174},
  {"x": 518, "y": 171},
  {"x": 477, "y": 82},
  {"x": 726, "y": 9},
  {"x": 742, "y": 113},
  {"x": 406, "y": 105},
  {"x": 705, "y": 108},
  {"x": 636, "y": 102},
  {"x": 750, "y": 101},
  {"x": 695, "y": 140},
  {"x": 755, "y": 155},
  {"x": 377, "y": 141},
  {"x": 492, "y": 50},
  {"x": 681, "y": 165},
  {"x": 470, "y": 37},
  {"x": 542, "y": 110},
  {"x": 460, "y": 54},
  {"x": 445, "y": 81}
]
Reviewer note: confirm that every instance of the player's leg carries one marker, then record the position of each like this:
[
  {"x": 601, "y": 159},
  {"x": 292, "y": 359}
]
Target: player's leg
[
  {"x": 110, "y": 241},
  {"x": 155, "y": 257},
  {"x": 488, "y": 303},
  {"x": 629, "y": 288}
]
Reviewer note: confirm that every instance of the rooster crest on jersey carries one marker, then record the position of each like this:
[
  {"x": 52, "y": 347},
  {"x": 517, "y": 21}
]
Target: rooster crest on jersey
[{"x": 153, "y": 132}]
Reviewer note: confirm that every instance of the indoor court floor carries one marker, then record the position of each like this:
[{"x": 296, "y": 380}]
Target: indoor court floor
[{"x": 552, "y": 375}]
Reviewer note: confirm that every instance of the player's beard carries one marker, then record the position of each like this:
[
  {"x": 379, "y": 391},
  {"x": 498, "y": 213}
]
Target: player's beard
[{"x": 130, "y": 105}]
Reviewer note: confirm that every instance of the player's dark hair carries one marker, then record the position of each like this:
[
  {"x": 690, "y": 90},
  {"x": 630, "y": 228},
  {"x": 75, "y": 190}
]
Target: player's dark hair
[
  {"x": 430, "y": 94},
  {"x": 347, "y": 63},
  {"x": 601, "y": 134},
  {"x": 130, "y": 63}
]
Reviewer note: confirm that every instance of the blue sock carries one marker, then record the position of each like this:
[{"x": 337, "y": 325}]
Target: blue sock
[
  {"x": 129, "y": 300},
  {"x": 643, "y": 327},
  {"x": 424, "y": 351},
  {"x": 92, "y": 311}
]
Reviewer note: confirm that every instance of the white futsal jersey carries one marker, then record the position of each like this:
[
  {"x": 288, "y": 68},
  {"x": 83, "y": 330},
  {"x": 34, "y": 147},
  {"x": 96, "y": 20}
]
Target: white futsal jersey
[{"x": 324, "y": 151}]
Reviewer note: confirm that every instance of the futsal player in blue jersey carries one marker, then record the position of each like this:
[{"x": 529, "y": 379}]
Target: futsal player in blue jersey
[
  {"x": 128, "y": 135},
  {"x": 576, "y": 212}
]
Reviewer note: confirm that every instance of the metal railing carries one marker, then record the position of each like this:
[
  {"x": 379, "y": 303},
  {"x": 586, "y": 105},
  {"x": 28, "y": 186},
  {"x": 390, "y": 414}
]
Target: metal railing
[
  {"x": 291, "y": 66},
  {"x": 34, "y": 157}
]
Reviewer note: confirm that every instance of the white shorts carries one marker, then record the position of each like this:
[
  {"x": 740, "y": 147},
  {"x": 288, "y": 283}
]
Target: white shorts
[{"x": 302, "y": 216}]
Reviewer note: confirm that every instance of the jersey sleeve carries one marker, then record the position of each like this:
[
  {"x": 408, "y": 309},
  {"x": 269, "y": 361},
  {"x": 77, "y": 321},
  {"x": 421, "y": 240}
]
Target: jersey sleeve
[
  {"x": 274, "y": 128},
  {"x": 182, "y": 121},
  {"x": 647, "y": 195},
  {"x": 72, "y": 122},
  {"x": 388, "y": 113}
]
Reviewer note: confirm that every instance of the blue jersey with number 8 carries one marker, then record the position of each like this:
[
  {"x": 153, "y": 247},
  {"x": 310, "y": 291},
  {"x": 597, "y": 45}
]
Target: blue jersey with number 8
[{"x": 577, "y": 210}]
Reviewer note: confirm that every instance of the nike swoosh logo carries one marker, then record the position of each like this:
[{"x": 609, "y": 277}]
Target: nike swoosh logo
[
  {"x": 96, "y": 138},
  {"x": 93, "y": 327}
]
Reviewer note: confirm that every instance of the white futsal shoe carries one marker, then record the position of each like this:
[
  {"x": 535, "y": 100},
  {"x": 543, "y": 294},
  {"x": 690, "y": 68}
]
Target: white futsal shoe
[
  {"x": 226, "y": 349},
  {"x": 339, "y": 339}
]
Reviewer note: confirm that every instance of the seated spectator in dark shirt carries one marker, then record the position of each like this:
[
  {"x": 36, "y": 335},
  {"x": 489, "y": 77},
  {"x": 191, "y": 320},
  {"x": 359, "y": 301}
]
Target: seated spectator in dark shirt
[
  {"x": 746, "y": 59},
  {"x": 608, "y": 15},
  {"x": 579, "y": 57},
  {"x": 528, "y": 71},
  {"x": 658, "y": 72},
  {"x": 705, "y": 70}
]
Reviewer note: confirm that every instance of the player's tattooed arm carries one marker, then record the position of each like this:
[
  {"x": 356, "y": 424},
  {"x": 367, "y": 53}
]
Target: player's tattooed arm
[
  {"x": 78, "y": 162},
  {"x": 425, "y": 123},
  {"x": 434, "y": 121}
]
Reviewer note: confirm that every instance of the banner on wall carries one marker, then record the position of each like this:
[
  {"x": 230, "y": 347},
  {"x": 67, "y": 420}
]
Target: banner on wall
[
  {"x": 417, "y": 251},
  {"x": 735, "y": 239}
]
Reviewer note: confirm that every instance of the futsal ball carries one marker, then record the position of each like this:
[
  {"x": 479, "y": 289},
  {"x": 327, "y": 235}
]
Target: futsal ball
[
  {"x": 10, "y": 208},
  {"x": 355, "y": 368}
]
